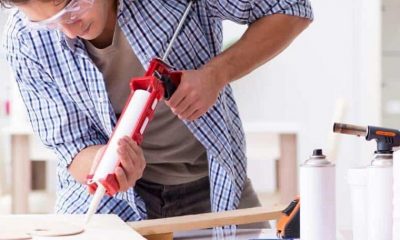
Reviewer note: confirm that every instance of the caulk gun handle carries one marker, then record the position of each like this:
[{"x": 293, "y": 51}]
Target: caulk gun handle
[
  {"x": 169, "y": 89},
  {"x": 170, "y": 83}
]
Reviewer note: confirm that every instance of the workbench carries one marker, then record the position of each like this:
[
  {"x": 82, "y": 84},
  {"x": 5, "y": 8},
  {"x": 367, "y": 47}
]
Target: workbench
[
  {"x": 112, "y": 227},
  {"x": 102, "y": 227},
  {"x": 190, "y": 227}
]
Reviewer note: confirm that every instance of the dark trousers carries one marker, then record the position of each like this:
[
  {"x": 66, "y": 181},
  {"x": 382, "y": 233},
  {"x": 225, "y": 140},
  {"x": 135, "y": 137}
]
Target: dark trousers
[{"x": 184, "y": 199}]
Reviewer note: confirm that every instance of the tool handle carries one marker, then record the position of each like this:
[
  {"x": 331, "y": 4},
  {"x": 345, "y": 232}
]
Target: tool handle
[
  {"x": 166, "y": 79},
  {"x": 170, "y": 82}
]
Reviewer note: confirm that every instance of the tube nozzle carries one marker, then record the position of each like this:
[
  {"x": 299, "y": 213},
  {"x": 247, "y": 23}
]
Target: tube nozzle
[{"x": 95, "y": 203}]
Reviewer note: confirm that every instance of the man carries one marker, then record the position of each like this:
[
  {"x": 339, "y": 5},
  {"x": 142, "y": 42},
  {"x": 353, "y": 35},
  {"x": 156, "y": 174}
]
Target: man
[{"x": 73, "y": 60}]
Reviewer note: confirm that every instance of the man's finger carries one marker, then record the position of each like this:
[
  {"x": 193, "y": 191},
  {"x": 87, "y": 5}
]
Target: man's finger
[
  {"x": 183, "y": 106},
  {"x": 137, "y": 158},
  {"x": 122, "y": 180},
  {"x": 177, "y": 97},
  {"x": 197, "y": 114},
  {"x": 125, "y": 158},
  {"x": 188, "y": 113},
  {"x": 132, "y": 146}
]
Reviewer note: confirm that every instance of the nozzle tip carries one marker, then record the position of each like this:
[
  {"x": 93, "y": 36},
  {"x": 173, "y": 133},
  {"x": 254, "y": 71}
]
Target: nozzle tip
[
  {"x": 337, "y": 127},
  {"x": 350, "y": 129}
]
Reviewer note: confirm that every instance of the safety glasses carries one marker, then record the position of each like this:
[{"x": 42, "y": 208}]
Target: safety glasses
[{"x": 70, "y": 14}]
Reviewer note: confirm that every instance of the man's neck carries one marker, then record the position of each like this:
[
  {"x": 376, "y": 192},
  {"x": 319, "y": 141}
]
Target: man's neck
[{"x": 106, "y": 37}]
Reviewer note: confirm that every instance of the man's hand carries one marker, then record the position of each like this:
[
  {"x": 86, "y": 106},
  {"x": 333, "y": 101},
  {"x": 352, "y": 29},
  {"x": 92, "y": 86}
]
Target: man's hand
[
  {"x": 196, "y": 93},
  {"x": 132, "y": 163}
]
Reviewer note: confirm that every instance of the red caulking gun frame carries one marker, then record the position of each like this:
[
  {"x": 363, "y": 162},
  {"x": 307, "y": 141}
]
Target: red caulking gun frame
[{"x": 159, "y": 81}]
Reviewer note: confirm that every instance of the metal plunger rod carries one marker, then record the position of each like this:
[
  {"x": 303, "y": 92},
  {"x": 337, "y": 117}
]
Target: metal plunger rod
[
  {"x": 350, "y": 129},
  {"x": 178, "y": 29}
]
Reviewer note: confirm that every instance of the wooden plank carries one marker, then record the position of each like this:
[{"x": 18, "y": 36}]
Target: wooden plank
[
  {"x": 164, "y": 236},
  {"x": 206, "y": 220},
  {"x": 101, "y": 227},
  {"x": 238, "y": 234}
]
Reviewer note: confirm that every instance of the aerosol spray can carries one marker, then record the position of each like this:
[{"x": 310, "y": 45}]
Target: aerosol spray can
[
  {"x": 317, "y": 198},
  {"x": 380, "y": 197}
]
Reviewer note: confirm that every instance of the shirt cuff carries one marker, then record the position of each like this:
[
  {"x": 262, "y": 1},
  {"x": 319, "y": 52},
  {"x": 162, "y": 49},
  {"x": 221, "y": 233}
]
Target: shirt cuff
[{"x": 299, "y": 8}]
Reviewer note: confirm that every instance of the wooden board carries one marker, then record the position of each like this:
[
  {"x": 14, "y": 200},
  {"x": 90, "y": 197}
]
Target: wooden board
[
  {"x": 206, "y": 220},
  {"x": 100, "y": 227},
  {"x": 239, "y": 234}
]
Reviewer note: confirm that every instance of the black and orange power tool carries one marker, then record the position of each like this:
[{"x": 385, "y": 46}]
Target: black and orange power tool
[{"x": 288, "y": 225}]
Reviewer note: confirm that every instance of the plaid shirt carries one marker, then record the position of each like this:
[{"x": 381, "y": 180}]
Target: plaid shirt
[{"x": 68, "y": 105}]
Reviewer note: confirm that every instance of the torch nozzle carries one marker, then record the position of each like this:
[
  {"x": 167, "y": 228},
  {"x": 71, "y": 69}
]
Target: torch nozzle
[{"x": 350, "y": 129}]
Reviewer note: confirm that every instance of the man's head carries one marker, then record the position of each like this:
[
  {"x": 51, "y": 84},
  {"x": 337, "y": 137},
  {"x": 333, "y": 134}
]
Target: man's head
[{"x": 76, "y": 18}]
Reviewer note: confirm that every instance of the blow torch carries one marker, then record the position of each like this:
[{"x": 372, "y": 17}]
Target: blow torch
[
  {"x": 386, "y": 138},
  {"x": 159, "y": 81}
]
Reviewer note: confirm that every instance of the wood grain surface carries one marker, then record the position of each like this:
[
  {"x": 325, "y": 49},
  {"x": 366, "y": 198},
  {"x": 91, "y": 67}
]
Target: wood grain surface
[
  {"x": 50, "y": 227},
  {"x": 206, "y": 220}
]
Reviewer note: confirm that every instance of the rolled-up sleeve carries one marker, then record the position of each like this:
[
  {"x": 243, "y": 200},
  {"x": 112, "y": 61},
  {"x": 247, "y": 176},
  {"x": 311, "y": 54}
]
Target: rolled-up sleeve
[
  {"x": 60, "y": 125},
  {"x": 248, "y": 11}
]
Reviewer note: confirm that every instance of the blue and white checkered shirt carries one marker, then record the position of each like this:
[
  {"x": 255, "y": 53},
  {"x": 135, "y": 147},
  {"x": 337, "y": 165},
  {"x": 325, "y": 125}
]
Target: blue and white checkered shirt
[{"x": 68, "y": 105}]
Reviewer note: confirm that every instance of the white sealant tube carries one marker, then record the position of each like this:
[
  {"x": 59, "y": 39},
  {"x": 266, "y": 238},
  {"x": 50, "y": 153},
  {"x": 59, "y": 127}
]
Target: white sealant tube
[{"x": 125, "y": 127}]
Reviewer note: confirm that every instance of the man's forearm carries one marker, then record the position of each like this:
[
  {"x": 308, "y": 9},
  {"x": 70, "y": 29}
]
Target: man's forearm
[
  {"x": 262, "y": 41},
  {"x": 82, "y": 163}
]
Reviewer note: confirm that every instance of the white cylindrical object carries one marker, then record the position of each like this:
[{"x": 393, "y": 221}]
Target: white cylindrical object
[
  {"x": 125, "y": 127},
  {"x": 317, "y": 199},
  {"x": 357, "y": 179},
  {"x": 379, "y": 203},
  {"x": 396, "y": 195}
]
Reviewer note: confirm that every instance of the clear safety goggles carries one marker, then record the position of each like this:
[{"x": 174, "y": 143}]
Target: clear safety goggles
[{"x": 70, "y": 14}]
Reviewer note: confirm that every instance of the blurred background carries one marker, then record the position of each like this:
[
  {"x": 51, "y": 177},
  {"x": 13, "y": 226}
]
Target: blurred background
[{"x": 345, "y": 66}]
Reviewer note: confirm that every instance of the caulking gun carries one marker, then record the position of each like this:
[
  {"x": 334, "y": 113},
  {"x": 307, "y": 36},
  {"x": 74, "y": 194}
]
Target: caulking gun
[
  {"x": 386, "y": 138},
  {"x": 159, "y": 81}
]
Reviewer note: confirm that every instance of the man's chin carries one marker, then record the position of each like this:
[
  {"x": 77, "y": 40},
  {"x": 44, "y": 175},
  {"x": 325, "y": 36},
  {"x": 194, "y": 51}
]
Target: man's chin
[
  {"x": 88, "y": 33},
  {"x": 88, "y": 37}
]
